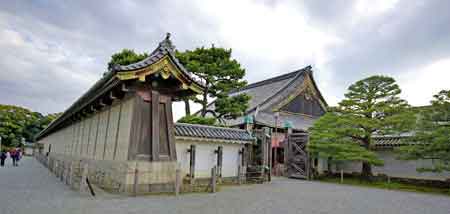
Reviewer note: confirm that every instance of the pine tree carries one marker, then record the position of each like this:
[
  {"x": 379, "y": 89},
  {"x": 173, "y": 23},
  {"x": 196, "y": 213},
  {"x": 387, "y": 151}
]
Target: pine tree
[
  {"x": 221, "y": 74},
  {"x": 371, "y": 107},
  {"x": 432, "y": 135}
]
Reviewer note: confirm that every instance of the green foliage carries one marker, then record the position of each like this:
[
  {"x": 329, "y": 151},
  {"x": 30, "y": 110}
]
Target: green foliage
[
  {"x": 371, "y": 106},
  {"x": 331, "y": 136},
  {"x": 126, "y": 57},
  {"x": 17, "y": 123},
  {"x": 432, "y": 135},
  {"x": 192, "y": 119},
  {"x": 221, "y": 74},
  {"x": 231, "y": 107}
]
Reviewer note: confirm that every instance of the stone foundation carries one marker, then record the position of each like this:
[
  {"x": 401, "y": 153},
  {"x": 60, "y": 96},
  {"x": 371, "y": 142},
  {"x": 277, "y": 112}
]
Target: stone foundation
[{"x": 123, "y": 177}]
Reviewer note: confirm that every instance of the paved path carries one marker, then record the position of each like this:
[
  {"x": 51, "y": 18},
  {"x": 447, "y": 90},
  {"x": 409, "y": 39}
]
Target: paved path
[{"x": 30, "y": 188}]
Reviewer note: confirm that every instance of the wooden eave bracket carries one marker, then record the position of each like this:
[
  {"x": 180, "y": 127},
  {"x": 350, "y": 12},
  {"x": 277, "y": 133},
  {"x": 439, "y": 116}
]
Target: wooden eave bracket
[{"x": 112, "y": 96}]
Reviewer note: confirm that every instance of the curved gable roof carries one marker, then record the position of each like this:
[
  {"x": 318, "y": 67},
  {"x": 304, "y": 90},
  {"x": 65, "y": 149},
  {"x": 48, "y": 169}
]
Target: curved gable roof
[
  {"x": 165, "y": 48},
  {"x": 267, "y": 93}
]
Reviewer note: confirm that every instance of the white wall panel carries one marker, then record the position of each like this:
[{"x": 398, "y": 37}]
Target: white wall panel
[
  {"x": 88, "y": 146},
  {"x": 93, "y": 136},
  {"x": 123, "y": 139},
  {"x": 86, "y": 138},
  {"x": 101, "y": 135},
  {"x": 207, "y": 159},
  {"x": 112, "y": 131},
  {"x": 77, "y": 139},
  {"x": 87, "y": 126}
]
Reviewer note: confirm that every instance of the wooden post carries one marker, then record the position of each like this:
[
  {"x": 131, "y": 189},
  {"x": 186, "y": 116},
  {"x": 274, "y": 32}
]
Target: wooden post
[
  {"x": 213, "y": 179},
  {"x": 56, "y": 169},
  {"x": 241, "y": 164},
  {"x": 83, "y": 177},
  {"x": 219, "y": 156},
  {"x": 136, "y": 180},
  {"x": 192, "y": 165},
  {"x": 239, "y": 175},
  {"x": 342, "y": 176},
  {"x": 155, "y": 125},
  {"x": 70, "y": 174},
  {"x": 389, "y": 179},
  {"x": 66, "y": 176},
  {"x": 177, "y": 181},
  {"x": 286, "y": 151},
  {"x": 61, "y": 172},
  {"x": 263, "y": 150}
]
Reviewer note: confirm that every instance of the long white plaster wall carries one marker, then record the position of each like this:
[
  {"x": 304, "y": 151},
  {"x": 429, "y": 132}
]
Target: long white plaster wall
[
  {"x": 84, "y": 133},
  {"x": 88, "y": 134},
  {"x": 112, "y": 131},
  {"x": 93, "y": 137},
  {"x": 392, "y": 167},
  {"x": 124, "y": 131},
  {"x": 101, "y": 135},
  {"x": 206, "y": 158}
]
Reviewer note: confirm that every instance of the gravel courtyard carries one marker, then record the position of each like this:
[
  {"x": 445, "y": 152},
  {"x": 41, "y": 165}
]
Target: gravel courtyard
[{"x": 30, "y": 188}]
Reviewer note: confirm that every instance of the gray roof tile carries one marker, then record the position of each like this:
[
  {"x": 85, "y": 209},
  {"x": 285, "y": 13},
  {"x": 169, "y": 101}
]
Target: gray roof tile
[{"x": 212, "y": 132}]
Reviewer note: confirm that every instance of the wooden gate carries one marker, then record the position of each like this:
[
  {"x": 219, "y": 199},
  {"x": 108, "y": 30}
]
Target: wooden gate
[{"x": 297, "y": 156}]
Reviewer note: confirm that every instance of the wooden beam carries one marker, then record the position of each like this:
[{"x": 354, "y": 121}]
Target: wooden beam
[
  {"x": 155, "y": 125},
  {"x": 124, "y": 88},
  {"x": 93, "y": 109},
  {"x": 191, "y": 150},
  {"x": 112, "y": 96},
  {"x": 170, "y": 129},
  {"x": 101, "y": 103},
  {"x": 219, "y": 153}
]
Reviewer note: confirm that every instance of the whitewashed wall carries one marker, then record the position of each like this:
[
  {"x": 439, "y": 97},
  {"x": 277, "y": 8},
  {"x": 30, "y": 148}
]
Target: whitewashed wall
[
  {"x": 392, "y": 167},
  {"x": 206, "y": 158},
  {"x": 97, "y": 136}
]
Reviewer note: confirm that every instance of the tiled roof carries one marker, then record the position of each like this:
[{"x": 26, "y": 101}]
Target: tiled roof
[
  {"x": 212, "y": 132},
  {"x": 165, "y": 48},
  {"x": 388, "y": 141},
  {"x": 383, "y": 142},
  {"x": 269, "y": 92},
  {"x": 260, "y": 91}
]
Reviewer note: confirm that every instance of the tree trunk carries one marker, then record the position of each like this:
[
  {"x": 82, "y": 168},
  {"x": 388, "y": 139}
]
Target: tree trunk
[
  {"x": 366, "y": 170},
  {"x": 187, "y": 108},
  {"x": 205, "y": 100},
  {"x": 329, "y": 169}
]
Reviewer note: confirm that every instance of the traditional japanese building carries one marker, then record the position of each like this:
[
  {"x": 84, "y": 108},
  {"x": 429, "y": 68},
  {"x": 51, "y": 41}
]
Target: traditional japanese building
[
  {"x": 291, "y": 99},
  {"x": 285, "y": 104},
  {"x": 120, "y": 134}
]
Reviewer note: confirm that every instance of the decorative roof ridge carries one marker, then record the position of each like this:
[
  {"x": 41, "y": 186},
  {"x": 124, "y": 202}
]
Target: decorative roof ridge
[
  {"x": 165, "y": 45},
  {"x": 210, "y": 127},
  {"x": 272, "y": 79}
]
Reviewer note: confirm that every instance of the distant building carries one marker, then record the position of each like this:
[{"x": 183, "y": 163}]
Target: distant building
[{"x": 28, "y": 148}]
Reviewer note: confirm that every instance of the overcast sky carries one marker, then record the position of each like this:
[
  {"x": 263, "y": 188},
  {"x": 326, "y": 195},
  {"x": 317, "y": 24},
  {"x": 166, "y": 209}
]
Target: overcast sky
[{"x": 53, "y": 51}]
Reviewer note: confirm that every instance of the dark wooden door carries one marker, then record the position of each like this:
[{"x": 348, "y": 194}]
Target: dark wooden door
[{"x": 297, "y": 160}]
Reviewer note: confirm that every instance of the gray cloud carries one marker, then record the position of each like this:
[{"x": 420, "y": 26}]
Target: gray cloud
[
  {"x": 54, "y": 51},
  {"x": 403, "y": 39}
]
